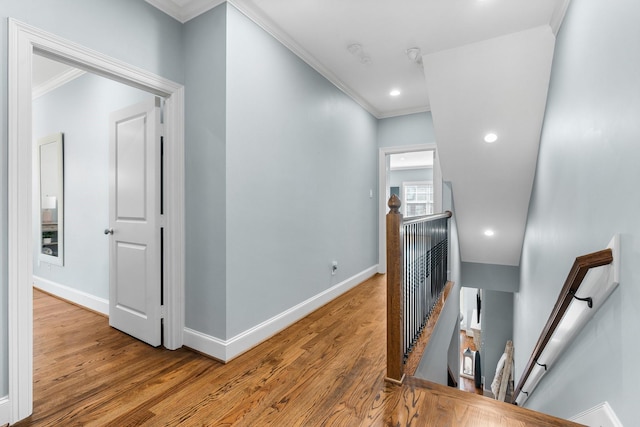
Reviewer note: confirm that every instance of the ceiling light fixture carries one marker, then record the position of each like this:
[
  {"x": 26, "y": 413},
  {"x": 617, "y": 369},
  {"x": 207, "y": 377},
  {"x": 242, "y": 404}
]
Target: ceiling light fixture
[
  {"x": 356, "y": 50},
  {"x": 395, "y": 92},
  {"x": 490, "y": 137},
  {"x": 489, "y": 233}
]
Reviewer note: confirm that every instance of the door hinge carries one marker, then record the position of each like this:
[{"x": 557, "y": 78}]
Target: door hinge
[{"x": 163, "y": 311}]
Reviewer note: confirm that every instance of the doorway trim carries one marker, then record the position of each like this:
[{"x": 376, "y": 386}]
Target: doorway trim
[
  {"x": 24, "y": 40},
  {"x": 383, "y": 184}
]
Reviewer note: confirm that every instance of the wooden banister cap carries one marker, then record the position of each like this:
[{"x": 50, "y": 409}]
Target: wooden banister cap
[{"x": 394, "y": 204}]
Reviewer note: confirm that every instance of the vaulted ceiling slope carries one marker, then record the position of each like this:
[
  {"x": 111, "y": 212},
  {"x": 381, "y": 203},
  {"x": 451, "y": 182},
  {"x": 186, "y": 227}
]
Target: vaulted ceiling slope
[
  {"x": 495, "y": 86},
  {"x": 481, "y": 66}
]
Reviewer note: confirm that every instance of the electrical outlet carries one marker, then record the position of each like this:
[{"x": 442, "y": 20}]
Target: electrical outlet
[{"x": 334, "y": 267}]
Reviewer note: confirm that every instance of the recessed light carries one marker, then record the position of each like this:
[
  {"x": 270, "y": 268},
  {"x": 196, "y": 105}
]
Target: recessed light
[
  {"x": 489, "y": 233},
  {"x": 490, "y": 137},
  {"x": 395, "y": 92}
]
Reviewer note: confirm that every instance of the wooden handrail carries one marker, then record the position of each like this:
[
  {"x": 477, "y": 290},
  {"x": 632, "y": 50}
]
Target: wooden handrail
[
  {"x": 422, "y": 218},
  {"x": 396, "y": 362},
  {"x": 576, "y": 275}
]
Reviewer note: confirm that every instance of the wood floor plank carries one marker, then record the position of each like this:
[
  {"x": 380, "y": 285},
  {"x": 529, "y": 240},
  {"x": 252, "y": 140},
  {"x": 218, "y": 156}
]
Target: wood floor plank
[{"x": 326, "y": 370}]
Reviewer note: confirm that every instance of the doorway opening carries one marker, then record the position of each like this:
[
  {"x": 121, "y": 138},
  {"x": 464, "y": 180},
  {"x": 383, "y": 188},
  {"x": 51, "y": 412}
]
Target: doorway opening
[
  {"x": 72, "y": 103},
  {"x": 413, "y": 174},
  {"x": 24, "y": 41}
]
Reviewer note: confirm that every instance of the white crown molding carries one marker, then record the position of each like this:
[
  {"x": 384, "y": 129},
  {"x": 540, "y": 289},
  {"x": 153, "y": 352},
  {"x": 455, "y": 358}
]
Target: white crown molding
[
  {"x": 57, "y": 81},
  {"x": 404, "y": 112},
  {"x": 198, "y": 7},
  {"x": 272, "y": 28},
  {"x": 184, "y": 10},
  {"x": 169, "y": 7}
]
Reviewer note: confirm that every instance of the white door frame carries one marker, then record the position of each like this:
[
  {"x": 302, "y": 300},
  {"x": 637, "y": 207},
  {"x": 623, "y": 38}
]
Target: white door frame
[
  {"x": 24, "y": 40},
  {"x": 383, "y": 184}
]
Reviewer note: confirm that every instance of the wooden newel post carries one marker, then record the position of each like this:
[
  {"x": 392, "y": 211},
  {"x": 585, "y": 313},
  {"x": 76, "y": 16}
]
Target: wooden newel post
[{"x": 395, "y": 271}]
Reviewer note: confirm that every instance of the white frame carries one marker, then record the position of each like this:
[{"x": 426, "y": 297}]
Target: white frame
[
  {"x": 383, "y": 184},
  {"x": 24, "y": 40},
  {"x": 405, "y": 203},
  {"x": 56, "y": 138}
]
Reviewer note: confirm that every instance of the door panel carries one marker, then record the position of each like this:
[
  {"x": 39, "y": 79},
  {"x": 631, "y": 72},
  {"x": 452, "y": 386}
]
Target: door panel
[
  {"x": 134, "y": 221},
  {"x": 131, "y": 171},
  {"x": 130, "y": 261}
]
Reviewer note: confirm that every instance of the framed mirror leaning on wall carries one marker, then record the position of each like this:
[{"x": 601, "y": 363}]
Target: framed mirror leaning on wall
[{"x": 51, "y": 189}]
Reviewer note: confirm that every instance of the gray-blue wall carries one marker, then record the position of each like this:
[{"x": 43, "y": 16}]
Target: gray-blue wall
[
  {"x": 80, "y": 109},
  {"x": 398, "y": 176},
  {"x": 279, "y": 168},
  {"x": 491, "y": 276},
  {"x": 137, "y": 33},
  {"x": 205, "y": 39},
  {"x": 497, "y": 329},
  {"x": 412, "y": 129},
  {"x": 585, "y": 191},
  {"x": 301, "y": 161}
]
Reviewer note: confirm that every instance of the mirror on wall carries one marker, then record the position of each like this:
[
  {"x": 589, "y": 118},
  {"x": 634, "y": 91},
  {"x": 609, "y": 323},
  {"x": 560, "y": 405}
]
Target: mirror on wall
[{"x": 51, "y": 173}]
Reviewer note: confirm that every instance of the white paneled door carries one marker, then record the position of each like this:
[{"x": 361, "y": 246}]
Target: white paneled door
[{"x": 135, "y": 288}]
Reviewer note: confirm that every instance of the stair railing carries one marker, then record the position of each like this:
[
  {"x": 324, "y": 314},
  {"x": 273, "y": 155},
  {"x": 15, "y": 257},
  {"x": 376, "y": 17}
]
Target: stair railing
[{"x": 417, "y": 257}]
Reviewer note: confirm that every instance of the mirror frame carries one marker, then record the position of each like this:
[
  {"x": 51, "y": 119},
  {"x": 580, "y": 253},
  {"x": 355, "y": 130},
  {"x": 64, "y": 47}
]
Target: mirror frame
[{"x": 58, "y": 140}]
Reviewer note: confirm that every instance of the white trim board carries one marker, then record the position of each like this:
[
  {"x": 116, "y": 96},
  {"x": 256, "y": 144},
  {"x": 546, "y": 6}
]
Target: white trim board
[
  {"x": 601, "y": 415},
  {"x": 5, "y": 410},
  {"x": 226, "y": 350},
  {"x": 24, "y": 40},
  {"x": 184, "y": 11},
  {"x": 92, "y": 302},
  {"x": 56, "y": 82}
]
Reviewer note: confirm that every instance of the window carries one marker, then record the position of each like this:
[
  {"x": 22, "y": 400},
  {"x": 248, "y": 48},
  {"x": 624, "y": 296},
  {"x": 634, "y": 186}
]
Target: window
[{"x": 418, "y": 198}]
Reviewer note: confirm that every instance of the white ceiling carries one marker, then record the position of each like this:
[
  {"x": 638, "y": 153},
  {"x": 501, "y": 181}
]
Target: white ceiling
[
  {"x": 499, "y": 86},
  {"x": 320, "y": 31},
  {"x": 49, "y": 75},
  {"x": 485, "y": 67},
  {"x": 45, "y": 69},
  {"x": 412, "y": 160}
]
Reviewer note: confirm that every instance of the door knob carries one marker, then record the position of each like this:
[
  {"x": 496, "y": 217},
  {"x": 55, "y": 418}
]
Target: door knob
[{"x": 108, "y": 231}]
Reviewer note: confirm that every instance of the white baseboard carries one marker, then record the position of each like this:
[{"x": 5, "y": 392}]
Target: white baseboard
[
  {"x": 600, "y": 415},
  {"x": 225, "y": 350},
  {"x": 5, "y": 410},
  {"x": 81, "y": 298},
  {"x": 207, "y": 344}
]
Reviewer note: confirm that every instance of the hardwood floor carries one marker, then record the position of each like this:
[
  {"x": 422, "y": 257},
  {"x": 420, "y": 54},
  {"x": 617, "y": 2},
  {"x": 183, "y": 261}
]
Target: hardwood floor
[{"x": 326, "y": 370}]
